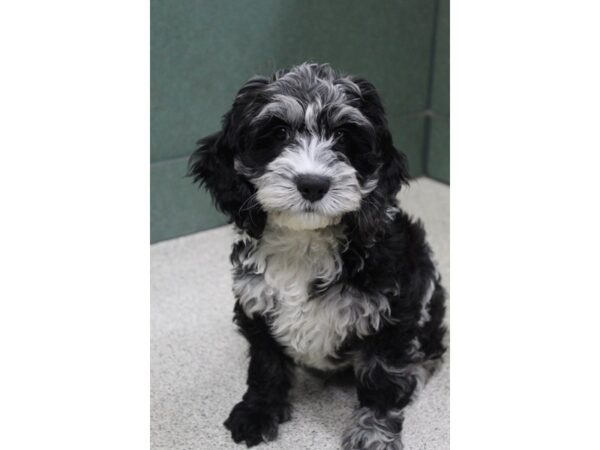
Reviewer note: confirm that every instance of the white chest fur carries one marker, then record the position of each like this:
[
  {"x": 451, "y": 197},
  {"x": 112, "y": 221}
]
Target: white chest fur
[{"x": 285, "y": 263}]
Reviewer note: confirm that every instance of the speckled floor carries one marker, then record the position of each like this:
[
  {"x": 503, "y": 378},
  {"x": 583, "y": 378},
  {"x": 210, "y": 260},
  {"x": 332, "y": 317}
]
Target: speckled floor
[{"x": 198, "y": 361}]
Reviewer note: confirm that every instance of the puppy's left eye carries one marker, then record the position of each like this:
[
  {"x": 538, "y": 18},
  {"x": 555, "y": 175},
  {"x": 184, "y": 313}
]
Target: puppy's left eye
[
  {"x": 281, "y": 133},
  {"x": 339, "y": 135}
]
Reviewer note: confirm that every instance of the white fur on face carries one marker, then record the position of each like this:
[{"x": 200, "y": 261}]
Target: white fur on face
[
  {"x": 309, "y": 154},
  {"x": 302, "y": 221}
]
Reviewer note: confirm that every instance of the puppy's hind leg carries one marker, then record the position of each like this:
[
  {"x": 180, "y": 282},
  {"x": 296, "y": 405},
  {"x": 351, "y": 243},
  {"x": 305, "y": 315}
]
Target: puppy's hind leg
[
  {"x": 265, "y": 404},
  {"x": 384, "y": 389}
]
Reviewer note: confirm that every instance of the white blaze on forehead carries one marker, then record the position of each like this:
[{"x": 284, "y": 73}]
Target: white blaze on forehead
[{"x": 311, "y": 114}]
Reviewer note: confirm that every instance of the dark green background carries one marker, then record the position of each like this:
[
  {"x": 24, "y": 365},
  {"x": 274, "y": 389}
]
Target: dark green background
[{"x": 202, "y": 52}]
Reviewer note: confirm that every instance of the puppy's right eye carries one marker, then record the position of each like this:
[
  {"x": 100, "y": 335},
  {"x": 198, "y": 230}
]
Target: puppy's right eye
[{"x": 281, "y": 133}]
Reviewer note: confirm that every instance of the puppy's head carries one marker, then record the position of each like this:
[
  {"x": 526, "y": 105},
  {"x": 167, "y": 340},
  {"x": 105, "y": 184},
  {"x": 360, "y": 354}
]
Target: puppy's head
[{"x": 304, "y": 148}]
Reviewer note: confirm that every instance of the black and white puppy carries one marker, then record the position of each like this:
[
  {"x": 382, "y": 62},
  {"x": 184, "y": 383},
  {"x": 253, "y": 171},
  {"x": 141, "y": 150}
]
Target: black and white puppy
[{"x": 328, "y": 272}]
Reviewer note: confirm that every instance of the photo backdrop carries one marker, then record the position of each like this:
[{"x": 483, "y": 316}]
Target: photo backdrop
[{"x": 202, "y": 51}]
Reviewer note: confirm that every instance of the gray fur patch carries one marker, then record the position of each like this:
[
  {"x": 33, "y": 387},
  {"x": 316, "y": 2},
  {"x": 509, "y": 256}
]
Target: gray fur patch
[
  {"x": 285, "y": 107},
  {"x": 425, "y": 316},
  {"x": 368, "y": 431},
  {"x": 410, "y": 378}
]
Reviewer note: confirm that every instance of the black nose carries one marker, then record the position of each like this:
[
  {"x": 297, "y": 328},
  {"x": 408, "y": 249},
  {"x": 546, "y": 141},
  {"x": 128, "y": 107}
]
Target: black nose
[{"x": 313, "y": 187}]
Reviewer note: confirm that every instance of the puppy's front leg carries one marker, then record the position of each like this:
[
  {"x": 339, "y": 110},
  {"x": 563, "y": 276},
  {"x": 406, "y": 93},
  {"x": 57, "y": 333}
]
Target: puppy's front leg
[
  {"x": 384, "y": 389},
  {"x": 265, "y": 404}
]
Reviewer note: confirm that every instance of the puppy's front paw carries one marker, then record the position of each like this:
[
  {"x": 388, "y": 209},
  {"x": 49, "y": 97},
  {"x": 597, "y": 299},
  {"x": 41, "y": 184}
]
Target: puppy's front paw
[
  {"x": 369, "y": 431},
  {"x": 255, "y": 423}
]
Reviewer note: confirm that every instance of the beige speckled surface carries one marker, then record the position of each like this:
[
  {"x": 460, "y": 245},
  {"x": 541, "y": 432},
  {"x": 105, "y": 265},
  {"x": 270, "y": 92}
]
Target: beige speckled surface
[{"x": 198, "y": 361}]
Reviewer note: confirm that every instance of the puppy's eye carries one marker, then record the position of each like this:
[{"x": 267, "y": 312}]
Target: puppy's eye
[
  {"x": 339, "y": 135},
  {"x": 281, "y": 133}
]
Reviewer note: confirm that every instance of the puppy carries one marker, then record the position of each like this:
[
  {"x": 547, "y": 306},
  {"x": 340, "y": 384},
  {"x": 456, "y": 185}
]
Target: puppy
[{"x": 328, "y": 272}]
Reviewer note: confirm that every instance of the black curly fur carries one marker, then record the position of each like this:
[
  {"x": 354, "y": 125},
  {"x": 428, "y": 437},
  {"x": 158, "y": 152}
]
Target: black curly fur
[
  {"x": 384, "y": 252},
  {"x": 265, "y": 404}
]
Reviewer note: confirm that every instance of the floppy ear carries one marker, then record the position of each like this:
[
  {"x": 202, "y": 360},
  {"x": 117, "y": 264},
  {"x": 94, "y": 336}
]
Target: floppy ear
[
  {"x": 393, "y": 173},
  {"x": 368, "y": 223},
  {"x": 211, "y": 166},
  {"x": 394, "y": 169}
]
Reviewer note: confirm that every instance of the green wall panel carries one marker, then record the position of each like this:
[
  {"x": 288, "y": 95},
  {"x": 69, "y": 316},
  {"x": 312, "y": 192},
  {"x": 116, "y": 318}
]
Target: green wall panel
[
  {"x": 437, "y": 149},
  {"x": 202, "y": 52},
  {"x": 441, "y": 69},
  {"x": 177, "y": 206},
  {"x": 407, "y": 132},
  {"x": 438, "y": 163}
]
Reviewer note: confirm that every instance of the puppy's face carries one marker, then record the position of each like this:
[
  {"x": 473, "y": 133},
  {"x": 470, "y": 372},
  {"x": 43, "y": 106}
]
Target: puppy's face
[
  {"x": 310, "y": 145},
  {"x": 309, "y": 152}
]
